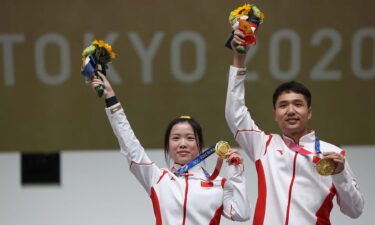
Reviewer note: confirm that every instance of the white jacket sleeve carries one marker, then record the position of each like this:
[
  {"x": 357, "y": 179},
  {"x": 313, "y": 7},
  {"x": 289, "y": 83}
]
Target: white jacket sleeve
[
  {"x": 236, "y": 203},
  {"x": 239, "y": 120},
  {"x": 349, "y": 197},
  {"x": 141, "y": 166}
]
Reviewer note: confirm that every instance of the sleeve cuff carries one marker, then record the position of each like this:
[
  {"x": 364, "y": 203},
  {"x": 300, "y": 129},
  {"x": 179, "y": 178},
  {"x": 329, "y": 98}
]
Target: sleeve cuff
[
  {"x": 110, "y": 101},
  {"x": 235, "y": 170},
  {"x": 237, "y": 71},
  {"x": 340, "y": 178}
]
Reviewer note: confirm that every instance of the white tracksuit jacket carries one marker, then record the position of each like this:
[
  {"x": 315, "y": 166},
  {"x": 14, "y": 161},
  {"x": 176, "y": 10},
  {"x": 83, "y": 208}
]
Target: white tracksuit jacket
[
  {"x": 290, "y": 191},
  {"x": 181, "y": 200}
]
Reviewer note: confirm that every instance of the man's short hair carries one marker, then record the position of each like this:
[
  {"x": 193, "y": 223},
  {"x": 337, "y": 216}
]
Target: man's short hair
[{"x": 292, "y": 86}]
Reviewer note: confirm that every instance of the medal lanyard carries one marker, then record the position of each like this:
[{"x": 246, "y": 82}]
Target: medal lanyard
[
  {"x": 195, "y": 161},
  {"x": 317, "y": 146}
]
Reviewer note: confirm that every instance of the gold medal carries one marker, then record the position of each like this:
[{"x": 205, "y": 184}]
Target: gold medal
[
  {"x": 221, "y": 149},
  {"x": 325, "y": 167}
]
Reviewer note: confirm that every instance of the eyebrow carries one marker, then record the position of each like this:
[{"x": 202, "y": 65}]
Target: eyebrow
[
  {"x": 287, "y": 101},
  {"x": 179, "y": 134}
]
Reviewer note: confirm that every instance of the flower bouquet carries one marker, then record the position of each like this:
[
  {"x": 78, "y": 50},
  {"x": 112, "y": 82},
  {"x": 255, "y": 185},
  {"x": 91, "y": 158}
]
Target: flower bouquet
[
  {"x": 96, "y": 58},
  {"x": 247, "y": 18}
]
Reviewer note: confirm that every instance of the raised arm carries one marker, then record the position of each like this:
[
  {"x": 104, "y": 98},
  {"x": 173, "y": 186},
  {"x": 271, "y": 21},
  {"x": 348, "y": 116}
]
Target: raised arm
[
  {"x": 239, "y": 120},
  {"x": 141, "y": 166}
]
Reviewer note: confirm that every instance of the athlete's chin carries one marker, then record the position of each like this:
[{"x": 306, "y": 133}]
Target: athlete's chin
[
  {"x": 183, "y": 160},
  {"x": 292, "y": 127},
  {"x": 292, "y": 131}
]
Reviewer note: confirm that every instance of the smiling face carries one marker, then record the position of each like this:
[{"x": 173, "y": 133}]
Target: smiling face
[
  {"x": 183, "y": 145},
  {"x": 292, "y": 114}
]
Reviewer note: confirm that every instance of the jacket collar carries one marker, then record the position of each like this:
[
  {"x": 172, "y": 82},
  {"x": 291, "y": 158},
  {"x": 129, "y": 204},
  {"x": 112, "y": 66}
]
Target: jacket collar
[{"x": 300, "y": 146}]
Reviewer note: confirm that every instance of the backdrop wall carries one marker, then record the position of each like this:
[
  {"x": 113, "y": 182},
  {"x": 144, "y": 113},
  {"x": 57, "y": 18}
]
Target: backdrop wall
[{"x": 172, "y": 61}]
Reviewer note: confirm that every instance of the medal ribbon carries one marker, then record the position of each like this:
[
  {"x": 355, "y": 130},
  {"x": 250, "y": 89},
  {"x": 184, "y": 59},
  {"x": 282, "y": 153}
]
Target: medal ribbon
[
  {"x": 198, "y": 160},
  {"x": 317, "y": 151},
  {"x": 317, "y": 146},
  {"x": 297, "y": 148},
  {"x": 301, "y": 150},
  {"x": 323, "y": 167}
]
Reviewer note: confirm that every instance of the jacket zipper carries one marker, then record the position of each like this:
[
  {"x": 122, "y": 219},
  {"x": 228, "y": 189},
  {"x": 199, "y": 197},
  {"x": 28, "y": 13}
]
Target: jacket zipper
[
  {"x": 291, "y": 188},
  {"x": 185, "y": 199}
]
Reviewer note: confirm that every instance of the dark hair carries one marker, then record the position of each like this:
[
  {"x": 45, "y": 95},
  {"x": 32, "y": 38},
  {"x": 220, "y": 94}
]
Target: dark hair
[
  {"x": 196, "y": 128},
  {"x": 291, "y": 86}
]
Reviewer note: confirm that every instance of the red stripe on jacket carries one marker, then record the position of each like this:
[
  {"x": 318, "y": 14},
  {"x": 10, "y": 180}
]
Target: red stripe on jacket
[
  {"x": 216, "y": 219},
  {"x": 260, "y": 208},
  {"x": 291, "y": 189},
  {"x": 324, "y": 211},
  {"x": 156, "y": 205}
]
